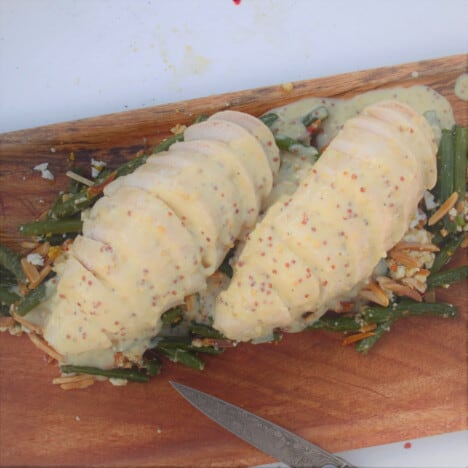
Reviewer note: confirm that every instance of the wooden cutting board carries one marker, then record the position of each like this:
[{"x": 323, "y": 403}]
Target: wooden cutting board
[{"x": 412, "y": 384}]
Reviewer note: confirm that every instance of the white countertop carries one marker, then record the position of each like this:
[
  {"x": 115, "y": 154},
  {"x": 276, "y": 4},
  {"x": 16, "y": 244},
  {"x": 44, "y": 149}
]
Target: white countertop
[{"x": 67, "y": 59}]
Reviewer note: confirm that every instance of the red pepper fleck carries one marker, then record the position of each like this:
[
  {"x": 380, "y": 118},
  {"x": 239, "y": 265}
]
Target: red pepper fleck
[
  {"x": 407, "y": 445},
  {"x": 362, "y": 189},
  {"x": 129, "y": 212},
  {"x": 236, "y": 2},
  {"x": 354, "y": 176}
]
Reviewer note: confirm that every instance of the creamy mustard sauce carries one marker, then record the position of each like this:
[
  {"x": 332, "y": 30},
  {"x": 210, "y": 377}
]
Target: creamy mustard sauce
[
  {"x": 421, "y": 98},
  {"x": 251, "y": 174}
]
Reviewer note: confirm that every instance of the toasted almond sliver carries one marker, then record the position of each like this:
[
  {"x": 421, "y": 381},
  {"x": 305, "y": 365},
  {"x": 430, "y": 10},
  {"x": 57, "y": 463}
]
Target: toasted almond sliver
[
  {"x": 464, "y": 243},
  {"x": 71, "y": 378},
  {"x": 375, "y": 293},
  {"x": 399, "y": 289},
  {"x": 404, "y": 259},
  {"x": 42, "y": 249},
  {"x": 443, "y": 209},
  {"x": 29, "y": 270},
  {"x": 403, "y": 245},
  {"x": 6, "y": 322},
  {"x": 44, "y": 346},
  {"x": 41, "y": 277},
  {"x": 77, "y": 385},
  {"x": 367, "y": 328},
  {"x": 26, "y": 323},
  {"x": 356, "y": 337}
]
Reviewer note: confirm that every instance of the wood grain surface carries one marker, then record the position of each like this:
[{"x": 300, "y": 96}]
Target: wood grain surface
[{"x": 413, "y": 384}]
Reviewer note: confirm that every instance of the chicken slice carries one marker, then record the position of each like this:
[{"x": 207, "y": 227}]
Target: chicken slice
[
  {"x": 249, "y": 151},
  {"x": 351, "y": 208},
  {"x": 259, "y": 130}
]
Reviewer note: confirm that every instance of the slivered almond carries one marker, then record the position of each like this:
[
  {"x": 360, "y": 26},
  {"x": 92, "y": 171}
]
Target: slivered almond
[
  {"x": 367, "y": 328},
  {"x": 464, "y": 243},
  {"x": 443, "y": 209},
  {"x": 42, "y": 249},
  {"x": 26, "y": 323},
  {"x": 404, "y": 259},
  {"x": 41, "y": 277},
  {"x": 414, "y": 284},
  {"x": 399, "y": 289},
  {"x": 70, "y": 379},
  {"x": 29, "y": 245},
  {"x": 403, "y": 245},
  {"x": 44, "y": 346},
  {"x": 29, "y": 270},
  {"x": 6, "y": 322},
  {"x": 356, "y": 337},
  {"x": 375, "y": 293},
  {"x": 77, "y": 385}
]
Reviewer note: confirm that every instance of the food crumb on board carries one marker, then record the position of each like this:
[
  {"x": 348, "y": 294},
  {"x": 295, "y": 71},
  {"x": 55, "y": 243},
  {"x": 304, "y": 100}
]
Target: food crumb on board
[
  {"x": 118, "y": 382},
  {"x": 158, "y": 430},
  {"x": 53, "y": 150},
  {"x": 77, "y": 418},
  {"x": 415, "y": 74},
  {"x": 45, "y": 173},
  {"x": 288, "y": 87}
]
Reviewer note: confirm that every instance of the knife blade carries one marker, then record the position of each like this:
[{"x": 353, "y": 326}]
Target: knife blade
[{"x": 265, "y": 435}]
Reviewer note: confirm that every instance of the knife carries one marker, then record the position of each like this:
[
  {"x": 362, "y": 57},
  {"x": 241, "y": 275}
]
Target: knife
[{"x": 270, "y": 438}]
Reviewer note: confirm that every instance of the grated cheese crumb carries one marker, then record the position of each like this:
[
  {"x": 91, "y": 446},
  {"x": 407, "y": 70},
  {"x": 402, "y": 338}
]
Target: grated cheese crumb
[
  {"x": 97, "y": 167},
  {"x": 45, "y": 173},
  {"x": 288, "y": 87},
  {"x": 118, "y": 382},
  {"x": 429, "y": 200},
  {"x": 35, "y": 259}
]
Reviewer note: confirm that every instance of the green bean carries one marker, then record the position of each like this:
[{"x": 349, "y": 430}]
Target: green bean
[
  {"x": 363, "y": 346},
  {"x": 336, "y": 324},
  {"x": 445, "y": 163},
  {"x": 153, "y": 366},
  {"x": 407, "y": 308},
  {"x": 172, "y": 317},
  {"x": 319, "y": 113},
  {"x": 33, "y": 299},
  {"x": 51, "y": 226},
  {"x": 459, "y": 165},
  {"x": 71, "y": 206},
  {"x": 443, "y": 278},
  {"x": 10, "y": 260},
  {"x": 447, "y": 251},
  {"x": 200, "y": 118},
  {"x": 205, "y": 331},
  {"x": 183, "y": 357},
  {"x": 127, "y": 374},
  {"x": 225, "y": 266},
  {"x": 8, "y": 297},
  {"x": 269, "y": 119},
  {"x": 166, "y": 144},
  {"x": 184, "y": 343}
]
